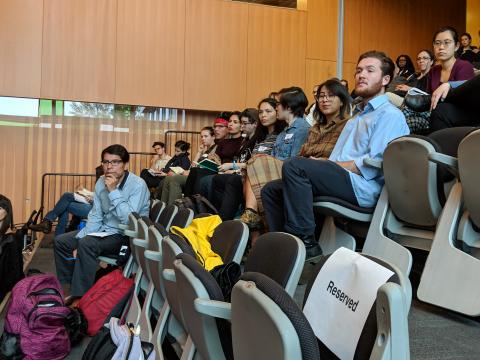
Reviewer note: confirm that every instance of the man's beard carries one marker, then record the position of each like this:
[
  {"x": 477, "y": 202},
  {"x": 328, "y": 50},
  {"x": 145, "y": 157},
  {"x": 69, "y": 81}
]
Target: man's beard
[{"x": 371, "y": 91}]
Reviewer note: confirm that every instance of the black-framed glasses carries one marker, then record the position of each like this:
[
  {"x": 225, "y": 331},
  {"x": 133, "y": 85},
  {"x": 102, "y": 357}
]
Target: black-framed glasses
[
  {"x": 325, "y": 96},
  {"x": 426, "y": 58},
  {"x": 111, "y": 162}
]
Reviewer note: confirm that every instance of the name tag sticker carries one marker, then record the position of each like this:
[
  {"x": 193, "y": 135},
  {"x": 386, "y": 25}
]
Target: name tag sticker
[
  {"x": 288, "y": 136},
  {"x": 341, "y": 298},
  {"x": 262, "y": 148}
]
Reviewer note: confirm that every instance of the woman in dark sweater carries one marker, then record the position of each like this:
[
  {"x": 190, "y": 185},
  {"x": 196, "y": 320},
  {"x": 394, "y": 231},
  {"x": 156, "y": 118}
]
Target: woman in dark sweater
[{"x": 199, "y": 180}]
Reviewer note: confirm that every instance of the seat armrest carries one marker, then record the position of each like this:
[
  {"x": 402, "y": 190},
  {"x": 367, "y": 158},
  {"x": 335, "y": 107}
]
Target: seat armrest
[
  {"x": 130, "y": 233},
  {"x": 140, "y": 242},
  {"x": 123, "y": 226},
  {"x": 373, "y": 163},
  {"x": 214, "y": 308},
  {"x": 153, "y": 255},
  {"x": 449, "y": 161},
  {"x": 169, "y": 275}
]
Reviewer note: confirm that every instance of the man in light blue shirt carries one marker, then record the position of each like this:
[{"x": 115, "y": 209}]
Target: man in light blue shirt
[
  {"x": 117, "y": 194},
  {"x": 288, "y": 202}
]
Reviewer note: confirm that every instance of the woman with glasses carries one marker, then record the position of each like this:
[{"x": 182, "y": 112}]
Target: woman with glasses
[
  {"x": 447, "y": 73},
  {"x": 332, "y": 110},
  {"x": 454, "y": 99}
]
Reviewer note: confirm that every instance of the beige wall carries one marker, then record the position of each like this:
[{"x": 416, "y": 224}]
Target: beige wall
[{"x": 473, "y": 20}]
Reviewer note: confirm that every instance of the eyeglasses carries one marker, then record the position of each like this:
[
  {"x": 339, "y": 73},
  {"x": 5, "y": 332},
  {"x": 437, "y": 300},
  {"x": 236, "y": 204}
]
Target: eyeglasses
[
  {"x": 426, "y": 58},
  {"x": 325, "y": 97},
  {"x": 446, "y": 43},
  {"x": 111, "y": 162}
]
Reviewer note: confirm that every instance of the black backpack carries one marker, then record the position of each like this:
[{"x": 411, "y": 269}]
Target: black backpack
[{"x": 198, "y": 203}]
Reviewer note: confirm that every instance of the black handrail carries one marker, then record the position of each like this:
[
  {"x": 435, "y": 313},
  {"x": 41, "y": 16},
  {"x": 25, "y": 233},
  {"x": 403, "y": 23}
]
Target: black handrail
[{"x": 45, "y": 175}]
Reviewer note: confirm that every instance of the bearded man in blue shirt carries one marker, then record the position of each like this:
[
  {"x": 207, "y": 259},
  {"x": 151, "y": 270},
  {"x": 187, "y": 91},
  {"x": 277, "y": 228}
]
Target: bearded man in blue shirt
[
  {"x": 288, "y": 202},
  {"x": 117, "y": 194}
]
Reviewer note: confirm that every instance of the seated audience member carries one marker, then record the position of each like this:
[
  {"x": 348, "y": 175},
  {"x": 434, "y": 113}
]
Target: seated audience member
[
  {"x": 404, "y": 76},
  {"x": 467, "y": 51},
  {"x": 79, "y": 205},
  {"x": 6, "y": 216},
  {"x": 448, "y": 72},
  {"x": 199, "y": 180},
  {"x": 181, "y": 159},
  {"x": 454, "y": 100},
  {"x": 290, "y": 108},
  {"x": 172, "y": 186},
  {"x": 157, "y": 163},
  {"x": 311, "y": 107},
  {"x": 417, "y": 121},
  {"x": 289, "y": 202},
  {"x": 332, "y": 109},
  {"x": 117, "y": 194},
  {"x": 227, "y": 184},
  {"x": 67, "y": 204}
]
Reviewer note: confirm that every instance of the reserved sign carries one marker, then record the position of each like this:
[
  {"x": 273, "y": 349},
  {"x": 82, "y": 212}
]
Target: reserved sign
[{"x": 341, "y": 298}]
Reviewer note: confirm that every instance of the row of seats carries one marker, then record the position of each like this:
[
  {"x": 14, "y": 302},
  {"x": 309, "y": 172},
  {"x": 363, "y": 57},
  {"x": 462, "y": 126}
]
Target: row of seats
[
  {"x": 262, "y": 320},
  {"x": 430, "y": 201}
]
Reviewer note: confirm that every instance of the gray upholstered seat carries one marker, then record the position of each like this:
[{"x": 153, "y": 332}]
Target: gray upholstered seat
[
  {"x": 416, "y": 184},
  {"x": 450, "y": 275},
  {"x": 201, "y": 301}
]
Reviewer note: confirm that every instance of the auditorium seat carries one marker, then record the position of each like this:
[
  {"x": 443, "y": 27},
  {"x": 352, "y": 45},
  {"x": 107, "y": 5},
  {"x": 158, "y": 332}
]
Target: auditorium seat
[
  {"x": 263, "y": 313},
  {"x": 450, "y": 275},
  {"x": 278, "y": 255},
  {"x": 417, "y": 182},
  {"x": 156, "y": 209}
]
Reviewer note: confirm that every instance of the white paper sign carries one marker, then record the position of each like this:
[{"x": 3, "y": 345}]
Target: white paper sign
[
  {"x": 100, "y": 234},
  {"x": 341, "y": 298}
]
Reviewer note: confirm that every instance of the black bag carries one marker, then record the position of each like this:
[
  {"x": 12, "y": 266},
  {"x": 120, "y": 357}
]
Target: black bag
[
  {"x": 419, "y": 103},
  {"x": 11, "y": 263},
  {"x": 100, "y": 347},
  {"x": 227, "y": 276},
  {"x": 198, "y": 203},
  {"x": 203, "y": 206}
]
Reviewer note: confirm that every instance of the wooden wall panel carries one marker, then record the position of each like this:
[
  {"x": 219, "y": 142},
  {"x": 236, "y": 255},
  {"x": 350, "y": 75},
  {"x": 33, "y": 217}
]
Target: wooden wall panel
[
  {"x": 150, "y": 52},
  {"x": 79, "y": 40},
  {"x": 215, "y": 55},
  {"x": 318, "y": 71},
  {"x": 75, "y": 147},
  {"x": 322, "y": 27},
  {"x": 397, "y": 27},
  {"x": 276, "y": 50},
  {"x": 20, "y": 47},
  {"x": 12, "y": 162},
  {"x": 473, "y": 20}
]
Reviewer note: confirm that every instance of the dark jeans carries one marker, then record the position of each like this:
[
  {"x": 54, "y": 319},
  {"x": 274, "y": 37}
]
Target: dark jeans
[
  {"x": 227, "y": 194},
  {"x": 199, "y": 181},
  {"x": 80, "y": 272},
  {"x": 288, "y": 202},
  {"x": 65, "y": 205},
  {"x": 150, "y": 180},
  {"x": 460, "y": 107}
]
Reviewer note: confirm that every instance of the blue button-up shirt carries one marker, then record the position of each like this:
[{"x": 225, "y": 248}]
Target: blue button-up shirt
[
  {"x": 366, "y": 135},
  {"x": 290, "y": 140},
  {"x": 112, "y": 208}
]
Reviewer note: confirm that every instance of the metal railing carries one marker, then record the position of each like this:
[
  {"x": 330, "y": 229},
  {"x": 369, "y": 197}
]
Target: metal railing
[
  {"x": 139, "y": 161},
  {"x": 55, "y": 184},
  {"x": 172, "y": 136}
]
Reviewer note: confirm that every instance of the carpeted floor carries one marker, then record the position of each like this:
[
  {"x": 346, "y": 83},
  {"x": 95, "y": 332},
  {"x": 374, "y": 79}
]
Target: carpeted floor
[{"x": 434, "y": 333}]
